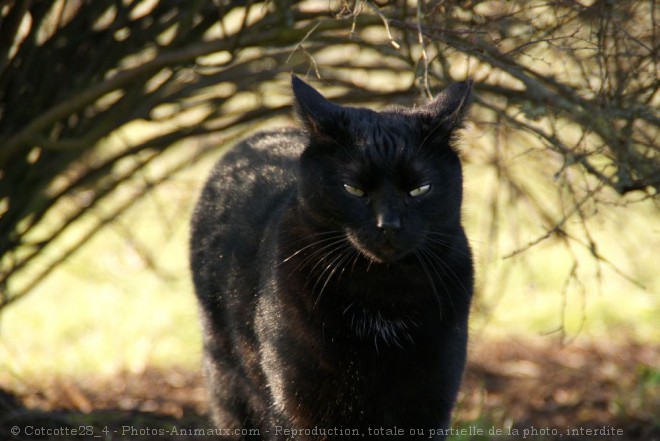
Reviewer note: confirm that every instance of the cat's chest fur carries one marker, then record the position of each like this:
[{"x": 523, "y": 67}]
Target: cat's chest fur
[{"x": 351, "y": 365}]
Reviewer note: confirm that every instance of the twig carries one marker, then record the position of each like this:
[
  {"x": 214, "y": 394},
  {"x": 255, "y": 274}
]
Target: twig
[
  {"x": 393, "y": 42},
  {"x": 300, "y": 43},
  {"x": 425, "y": 58}
]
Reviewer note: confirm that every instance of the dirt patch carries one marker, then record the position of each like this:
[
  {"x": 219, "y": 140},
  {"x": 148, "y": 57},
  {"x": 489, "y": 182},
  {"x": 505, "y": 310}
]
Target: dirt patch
[
  {"x": 581, "y": 392},
  {"x": 153, "y": 405},
  {"x": 512, "y": 389}
]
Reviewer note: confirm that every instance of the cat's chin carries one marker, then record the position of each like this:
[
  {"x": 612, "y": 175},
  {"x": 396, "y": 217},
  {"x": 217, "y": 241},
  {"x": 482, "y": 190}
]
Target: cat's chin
[
  {"x": 388, "y": 256},
  {"x": 383, "y": 253}
]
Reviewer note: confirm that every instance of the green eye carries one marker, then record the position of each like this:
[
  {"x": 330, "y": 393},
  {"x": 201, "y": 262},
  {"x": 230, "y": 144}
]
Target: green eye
[
  {"x": 354, "y": 190},
  {"x": 420, "y": 190}
]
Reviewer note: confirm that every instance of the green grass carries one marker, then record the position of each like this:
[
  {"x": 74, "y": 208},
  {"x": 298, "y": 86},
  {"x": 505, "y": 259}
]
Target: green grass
[
  {"x": 107, "y": 310},
  {"x": 478, "y": 430},
  {"x": 122, "y": 302}
]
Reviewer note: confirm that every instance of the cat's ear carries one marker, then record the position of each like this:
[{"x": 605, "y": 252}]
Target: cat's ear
[
  {"x": 446, "y": 113},
  {"x": 315, "y": 112}
]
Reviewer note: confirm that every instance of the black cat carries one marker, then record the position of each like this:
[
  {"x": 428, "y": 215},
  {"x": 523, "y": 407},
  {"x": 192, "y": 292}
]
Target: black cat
[{"x": 334, "y": 276}]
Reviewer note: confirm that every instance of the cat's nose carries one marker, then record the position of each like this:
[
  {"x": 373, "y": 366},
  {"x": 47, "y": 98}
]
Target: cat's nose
[{"x": 389, "y": 223}]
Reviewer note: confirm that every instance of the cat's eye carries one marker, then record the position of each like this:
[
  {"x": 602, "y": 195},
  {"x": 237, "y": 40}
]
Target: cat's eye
[
  {"x": 420, "y": 190},
  {"x": 354, "y": 190}
]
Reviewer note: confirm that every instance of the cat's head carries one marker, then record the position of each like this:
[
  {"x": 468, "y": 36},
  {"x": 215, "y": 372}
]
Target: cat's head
[{"x": 391, "y": 180}]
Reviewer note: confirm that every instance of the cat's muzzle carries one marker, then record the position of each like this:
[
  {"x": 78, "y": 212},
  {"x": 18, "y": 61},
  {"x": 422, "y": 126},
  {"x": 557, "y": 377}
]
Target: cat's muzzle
[{"x": 386, "y": 246}]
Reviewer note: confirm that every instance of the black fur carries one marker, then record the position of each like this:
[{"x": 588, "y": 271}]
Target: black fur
[{"x": 328, "y": 311}]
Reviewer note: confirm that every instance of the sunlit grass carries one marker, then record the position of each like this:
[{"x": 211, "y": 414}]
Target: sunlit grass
[{"x": 122, "y": 302}]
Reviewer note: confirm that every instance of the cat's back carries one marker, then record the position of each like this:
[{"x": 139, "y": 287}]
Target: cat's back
[
  {"x": 259, "y": 166},
  {"x": 246, "y": 188}
]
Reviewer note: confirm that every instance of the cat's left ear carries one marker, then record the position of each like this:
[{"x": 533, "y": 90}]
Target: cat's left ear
[
  {"x": 316, "y": 113},
  {"x": 447, "y": 111}
]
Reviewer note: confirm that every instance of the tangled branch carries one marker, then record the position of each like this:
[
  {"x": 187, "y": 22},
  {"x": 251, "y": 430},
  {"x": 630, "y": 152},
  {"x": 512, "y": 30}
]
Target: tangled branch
[{"x": 75, "y": 75}]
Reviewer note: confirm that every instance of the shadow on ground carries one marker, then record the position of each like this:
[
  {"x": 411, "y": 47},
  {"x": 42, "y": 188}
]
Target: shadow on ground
[{"x": 512, "y": 390}]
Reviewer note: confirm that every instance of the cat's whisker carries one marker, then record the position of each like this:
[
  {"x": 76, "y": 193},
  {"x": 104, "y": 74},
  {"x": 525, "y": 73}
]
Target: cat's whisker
[
  {"x": 337, "y": 234},
  {"x": 441, "y": 277},
  {"x": 350, "y": 305},
  {"x": 318, "y": 234},
  {"x": 448, "y": 269},
  {"x": 420, "y": 257},
  {"x": 344, "y": 262},
  {"x": 355, "y": 260},
  {"x": 332, "y": 268},
  {"x": 440, "y": 233},
  {"x": 441, "y": 242},
  {"x": 449, "y": 236},
  {"x": 319, "y": 253},
  {"x": 431, "y": 258},
  {"x": 448, "y": 246},
  {"x": 350, "y": 252}
]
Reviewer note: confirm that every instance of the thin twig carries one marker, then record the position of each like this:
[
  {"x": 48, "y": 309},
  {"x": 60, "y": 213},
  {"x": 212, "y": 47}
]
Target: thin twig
[
  {"x": 386, "y": 24},
  {"x": 425, "y": 58},
  {"x": 300, "y": 43}
]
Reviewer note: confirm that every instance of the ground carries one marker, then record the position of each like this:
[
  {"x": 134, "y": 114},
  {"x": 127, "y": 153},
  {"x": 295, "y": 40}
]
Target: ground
[{"x": 530, "y": 390}]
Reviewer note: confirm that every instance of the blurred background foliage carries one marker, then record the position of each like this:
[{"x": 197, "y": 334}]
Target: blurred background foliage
[{"x": 112, "y": 112}]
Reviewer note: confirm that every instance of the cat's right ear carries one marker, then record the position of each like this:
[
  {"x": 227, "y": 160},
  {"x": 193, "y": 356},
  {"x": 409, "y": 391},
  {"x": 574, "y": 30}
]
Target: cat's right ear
[
  {"x": 315, "y": 112},
  {"x": 445, "y": 114}
]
